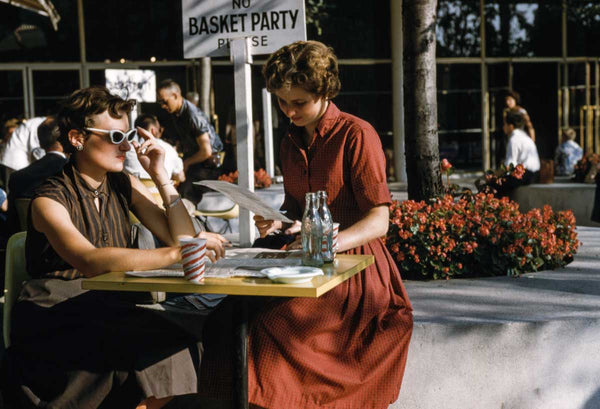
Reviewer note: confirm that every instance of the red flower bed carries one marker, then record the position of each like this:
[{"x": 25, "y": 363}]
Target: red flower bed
[
  {"x": 261, "y": 178},
  {"x": 477, "y": 235}
]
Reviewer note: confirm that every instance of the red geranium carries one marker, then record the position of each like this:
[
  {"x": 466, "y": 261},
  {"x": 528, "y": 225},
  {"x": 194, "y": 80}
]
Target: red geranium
[
  {"x": 477, "y": 234},
  {"x": 261, "y": 178},
  {"x": 445, "y": 165}
]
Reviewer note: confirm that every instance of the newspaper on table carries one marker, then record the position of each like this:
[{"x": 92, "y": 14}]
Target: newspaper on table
[
  {"x": 247, "y": 262},
  {"x": 245, "y": 198}
]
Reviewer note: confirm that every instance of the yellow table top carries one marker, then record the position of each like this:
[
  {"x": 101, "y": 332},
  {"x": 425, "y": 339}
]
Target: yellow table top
[{"x": 345, "y": 267}]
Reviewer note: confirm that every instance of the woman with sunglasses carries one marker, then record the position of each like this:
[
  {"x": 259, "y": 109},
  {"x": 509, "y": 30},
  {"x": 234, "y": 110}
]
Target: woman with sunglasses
[{"x": 86, "y": 349}]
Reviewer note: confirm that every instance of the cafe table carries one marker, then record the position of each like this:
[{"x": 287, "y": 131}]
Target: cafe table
[{"x": 345, "y": 266}]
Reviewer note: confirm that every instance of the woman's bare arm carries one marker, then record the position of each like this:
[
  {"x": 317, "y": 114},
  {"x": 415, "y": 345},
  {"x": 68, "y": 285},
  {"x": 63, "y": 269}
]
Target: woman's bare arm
[{"x": 52, "y": 219}]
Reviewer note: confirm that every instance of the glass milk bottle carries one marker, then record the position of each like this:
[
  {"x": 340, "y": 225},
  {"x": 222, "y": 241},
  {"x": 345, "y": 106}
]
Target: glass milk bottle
[
  {"x": 327, "y": 225},
  {"x": 312, "y": 233}
]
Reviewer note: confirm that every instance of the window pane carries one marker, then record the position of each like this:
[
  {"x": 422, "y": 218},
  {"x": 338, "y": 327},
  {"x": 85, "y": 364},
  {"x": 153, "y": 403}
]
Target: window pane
[
  {"x": 354, "y": 29},
  {"x": 457, "y": 30},
  {"x": 11, "y": 95},
  {"x": 498, "y": 86},
  {"x": 133, "y": 30},
  {"x": 459, "y": 114},
  {"x": 519, "y": 28},
  {"x": 583, "y": 26},
  {"x": 50, "y": 87}
]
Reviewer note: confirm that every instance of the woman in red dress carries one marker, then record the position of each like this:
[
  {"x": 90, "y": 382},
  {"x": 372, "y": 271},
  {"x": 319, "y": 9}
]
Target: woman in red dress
[{"x": 348, "y": 348}]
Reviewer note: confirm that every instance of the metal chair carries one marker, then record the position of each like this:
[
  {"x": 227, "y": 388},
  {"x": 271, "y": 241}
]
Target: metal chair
[
  {"x": 225, "y": 215},
  {"x": 15, "y": 274}
]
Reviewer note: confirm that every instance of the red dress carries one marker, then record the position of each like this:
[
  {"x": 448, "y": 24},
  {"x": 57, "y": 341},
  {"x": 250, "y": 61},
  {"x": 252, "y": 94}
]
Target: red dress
[{"x": 346, "y": 349}]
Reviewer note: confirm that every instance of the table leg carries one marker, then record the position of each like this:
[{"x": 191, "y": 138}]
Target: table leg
[{"x": 240, "y": 336}]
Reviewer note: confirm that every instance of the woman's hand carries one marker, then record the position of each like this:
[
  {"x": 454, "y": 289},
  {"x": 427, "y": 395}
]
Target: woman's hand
[
  {"x": 216, "y": 243},
  {"x": 151, "y": 155},
  {"x": 266, "y": 227}
]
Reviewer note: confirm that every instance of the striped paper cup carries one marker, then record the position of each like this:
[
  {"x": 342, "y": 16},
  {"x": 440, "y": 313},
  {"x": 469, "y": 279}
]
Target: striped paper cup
[{"x": 193, "y": 251}]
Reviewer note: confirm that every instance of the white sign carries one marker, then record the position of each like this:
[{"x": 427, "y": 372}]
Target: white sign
[
  {"x": 209, "y": 25},
  {"x": 132, "y": 84}
]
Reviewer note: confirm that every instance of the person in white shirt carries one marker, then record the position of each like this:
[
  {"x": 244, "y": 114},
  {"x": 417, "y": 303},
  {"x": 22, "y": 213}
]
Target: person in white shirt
[
  {"x": 521, "y": 150},
  {"x": 173, "y": 163},
  {"x": 23, "y": 147}
]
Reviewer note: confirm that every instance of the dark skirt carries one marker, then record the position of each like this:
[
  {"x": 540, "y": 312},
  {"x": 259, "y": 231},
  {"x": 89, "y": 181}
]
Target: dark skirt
[{"x": 87, "y": 349}]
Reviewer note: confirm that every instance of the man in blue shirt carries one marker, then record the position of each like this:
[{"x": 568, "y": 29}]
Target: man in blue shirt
[{"x": 199, "y": 142}]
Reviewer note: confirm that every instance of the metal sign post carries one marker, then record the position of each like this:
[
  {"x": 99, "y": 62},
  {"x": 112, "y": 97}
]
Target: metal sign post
[
  {"x": 241, "y": 58},
  {"x": 268, "y": 130},
  {"x": 241, "y": 28}
]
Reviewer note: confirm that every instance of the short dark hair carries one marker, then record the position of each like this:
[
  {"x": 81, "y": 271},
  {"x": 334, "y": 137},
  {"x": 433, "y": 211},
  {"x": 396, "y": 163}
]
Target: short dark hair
[
  {"x": 48, "y": 133},
  {"x": 310, "y": 65},
  {"x": 170, "y": 85},
  {"x": 145, "y": 121},
  {"x": 515, "y": 95},
  {"x": 76, "y": 111},
  {"x": 515, "y": 118}
]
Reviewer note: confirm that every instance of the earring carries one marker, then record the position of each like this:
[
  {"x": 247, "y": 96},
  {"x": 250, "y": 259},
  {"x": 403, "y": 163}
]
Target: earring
[{"x": 80, "y": 147}]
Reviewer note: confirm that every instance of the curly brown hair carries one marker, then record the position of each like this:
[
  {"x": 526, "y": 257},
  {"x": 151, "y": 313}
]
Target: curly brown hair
[
  {"x": 77, "y": 110},
  {"x": 310, "y": 65}
]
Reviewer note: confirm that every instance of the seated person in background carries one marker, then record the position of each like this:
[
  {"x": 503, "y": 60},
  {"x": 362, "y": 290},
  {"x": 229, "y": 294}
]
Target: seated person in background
[
  {"x": 73, "y": 348},
  {"x": 173, "y": 163},
  {"x": 8, "y": 127},
  {"x": 198, "y": 140},
  {"x": 521, "y": 150},
  {"x": 512, "y": 101},
  {"x": 23, "y": 182},
  {"x": 567, "y": 154},
  {"x": 23, "y": 147}
]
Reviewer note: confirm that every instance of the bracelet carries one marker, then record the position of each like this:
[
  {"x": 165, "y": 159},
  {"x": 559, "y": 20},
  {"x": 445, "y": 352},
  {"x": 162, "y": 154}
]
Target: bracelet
[
  {"x": 170, "y": 182},
  {"x": 174, "y": 203}
]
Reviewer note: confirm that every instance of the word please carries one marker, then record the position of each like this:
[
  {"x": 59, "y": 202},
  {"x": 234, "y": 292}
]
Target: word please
[{"x": 238, "y": 23}]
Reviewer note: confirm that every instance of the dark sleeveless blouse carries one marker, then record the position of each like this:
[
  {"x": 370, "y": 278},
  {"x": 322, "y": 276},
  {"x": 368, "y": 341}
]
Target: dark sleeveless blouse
[{"x": 108, "y": 227}]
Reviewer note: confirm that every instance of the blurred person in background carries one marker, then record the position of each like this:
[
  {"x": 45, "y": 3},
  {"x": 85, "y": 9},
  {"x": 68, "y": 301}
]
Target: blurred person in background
[
  {"x": 567, "y": 154},
  {"x": 8, "y": 127},
  {"x": 193, "y": 97},
  {"x": 23, "y": 182},
  {"x": 23, "y": 147},
  {"x": 512, "y": 101},
  {"x": 521, "y": 150},
  {"x": 198, "y": 139},
  {"x": 173, "y": 163}
]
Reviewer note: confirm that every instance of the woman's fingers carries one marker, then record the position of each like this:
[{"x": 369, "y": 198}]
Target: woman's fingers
[
  {"x": 211, "y": 256},
  {"x": 294, "y": 228},
  {"x": 144, "y": 133}
]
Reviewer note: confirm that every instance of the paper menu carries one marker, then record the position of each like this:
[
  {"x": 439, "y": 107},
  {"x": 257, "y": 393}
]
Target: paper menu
[{"x": 246, "y": 199}]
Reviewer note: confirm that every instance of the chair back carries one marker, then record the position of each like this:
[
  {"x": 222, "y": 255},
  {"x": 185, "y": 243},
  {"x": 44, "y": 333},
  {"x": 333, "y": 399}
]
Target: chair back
[
  {"x": 15, "y": 274},
  {"x": 22, "y": 206},
  {"x": 149, "y": 183}
]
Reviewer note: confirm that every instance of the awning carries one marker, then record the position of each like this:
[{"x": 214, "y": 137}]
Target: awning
[{"x": 43, "y": 7}]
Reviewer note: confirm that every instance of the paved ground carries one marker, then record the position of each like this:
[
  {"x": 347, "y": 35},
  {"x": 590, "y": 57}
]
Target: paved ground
[
  {"x": 569, "y": 292},
  {"x": 511, "y": 343}
]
